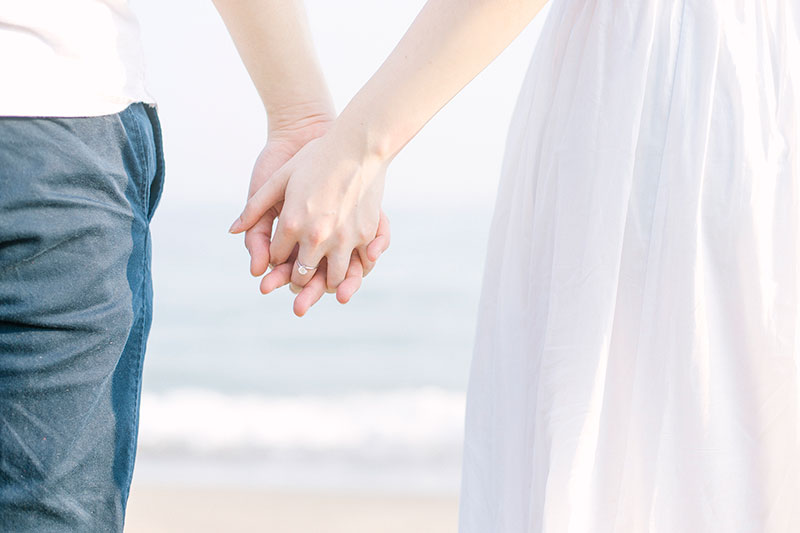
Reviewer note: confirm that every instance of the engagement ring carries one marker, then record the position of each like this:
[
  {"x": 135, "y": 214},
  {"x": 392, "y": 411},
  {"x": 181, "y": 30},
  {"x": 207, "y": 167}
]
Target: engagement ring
[{"x": 304, "y": 269}]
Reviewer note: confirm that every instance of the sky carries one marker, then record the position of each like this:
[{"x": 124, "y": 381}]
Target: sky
[{"x": 214, "y": 124}]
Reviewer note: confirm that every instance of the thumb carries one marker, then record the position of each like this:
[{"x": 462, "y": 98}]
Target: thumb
[{"x": 265, "y": 197}]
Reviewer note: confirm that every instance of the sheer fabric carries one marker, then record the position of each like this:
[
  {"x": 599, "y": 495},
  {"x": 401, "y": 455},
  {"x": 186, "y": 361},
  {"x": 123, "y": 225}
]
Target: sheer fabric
[{"x": 636, "y": 359}]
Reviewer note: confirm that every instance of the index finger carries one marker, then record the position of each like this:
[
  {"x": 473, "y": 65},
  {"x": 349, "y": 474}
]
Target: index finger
[{"x": 265, "y": 197}]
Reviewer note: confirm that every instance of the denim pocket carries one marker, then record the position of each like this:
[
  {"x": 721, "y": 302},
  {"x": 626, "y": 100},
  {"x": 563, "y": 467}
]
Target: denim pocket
[
  {"x": 157, "y": 185},
  {"x": 143, "y": 130}
]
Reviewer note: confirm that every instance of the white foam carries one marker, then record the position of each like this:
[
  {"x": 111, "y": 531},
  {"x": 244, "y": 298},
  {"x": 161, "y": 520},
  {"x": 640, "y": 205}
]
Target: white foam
[{"x": 404, "y": 425}]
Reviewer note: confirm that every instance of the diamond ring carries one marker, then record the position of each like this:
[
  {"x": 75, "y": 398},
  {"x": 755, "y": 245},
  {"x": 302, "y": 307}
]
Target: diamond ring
[{"x": 304, "y": 269}]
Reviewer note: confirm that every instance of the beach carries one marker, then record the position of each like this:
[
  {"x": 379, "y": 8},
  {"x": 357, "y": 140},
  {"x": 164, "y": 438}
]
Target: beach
[{"x": 176, "y": 509}]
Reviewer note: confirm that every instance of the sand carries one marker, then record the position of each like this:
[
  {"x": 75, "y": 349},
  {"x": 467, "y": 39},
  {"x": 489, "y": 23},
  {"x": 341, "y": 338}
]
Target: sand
[{"x": 200, "y": 510}]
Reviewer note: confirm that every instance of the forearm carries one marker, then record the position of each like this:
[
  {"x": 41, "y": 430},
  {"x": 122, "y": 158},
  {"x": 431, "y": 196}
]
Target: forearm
[
  {"x": 448, "y": 44},
  {"x": 274, "y": 42}
]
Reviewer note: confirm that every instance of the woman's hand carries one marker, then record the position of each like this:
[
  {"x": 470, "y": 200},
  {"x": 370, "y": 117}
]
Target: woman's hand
[
  {"x": 287, "y": 135},
  {"x": 331, "y": 191},
  {"x": 314, "y": 289}
]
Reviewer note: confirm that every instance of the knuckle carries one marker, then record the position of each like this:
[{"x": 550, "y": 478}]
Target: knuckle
[
  {"x": 291, "y": 224},
  {"x": 317, "y": 235},
  {"x": 364, "y": 234},
  {"x": 340, "y": 235}
]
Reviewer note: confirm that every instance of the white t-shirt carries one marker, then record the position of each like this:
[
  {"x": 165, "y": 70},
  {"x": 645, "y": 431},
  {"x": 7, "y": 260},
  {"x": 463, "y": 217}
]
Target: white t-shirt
[{"x": 69, "y": 58}]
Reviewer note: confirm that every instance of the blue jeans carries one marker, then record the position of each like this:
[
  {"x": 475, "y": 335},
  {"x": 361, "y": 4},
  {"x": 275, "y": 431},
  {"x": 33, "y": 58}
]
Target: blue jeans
[{"x": 76, "y": 199}]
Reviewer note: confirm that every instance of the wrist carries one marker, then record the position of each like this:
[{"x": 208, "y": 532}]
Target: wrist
[
  {"x": 364, "y": 135},
  {"x": 300, "y": 119}
]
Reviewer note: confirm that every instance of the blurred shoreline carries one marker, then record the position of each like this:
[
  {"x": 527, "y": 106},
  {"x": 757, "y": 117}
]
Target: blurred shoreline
[{"x": 407, "y": 438}]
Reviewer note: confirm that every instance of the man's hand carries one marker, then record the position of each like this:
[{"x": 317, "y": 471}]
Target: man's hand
[{"x": 284, "y": 141}]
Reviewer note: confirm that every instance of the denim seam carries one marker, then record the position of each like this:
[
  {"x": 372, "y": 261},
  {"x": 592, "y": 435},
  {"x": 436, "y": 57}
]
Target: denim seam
[{"x": 135, "y": 383}]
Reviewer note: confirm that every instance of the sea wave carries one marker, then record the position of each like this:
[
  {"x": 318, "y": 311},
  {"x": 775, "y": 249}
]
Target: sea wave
[{"x": 423, "y": 424}]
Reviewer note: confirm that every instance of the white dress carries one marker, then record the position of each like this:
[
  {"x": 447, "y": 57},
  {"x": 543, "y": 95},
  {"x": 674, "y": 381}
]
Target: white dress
[{"x": 637, "y": 360}]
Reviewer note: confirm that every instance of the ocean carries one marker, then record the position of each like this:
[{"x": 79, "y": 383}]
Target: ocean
[{"x": 239, "y": 390}]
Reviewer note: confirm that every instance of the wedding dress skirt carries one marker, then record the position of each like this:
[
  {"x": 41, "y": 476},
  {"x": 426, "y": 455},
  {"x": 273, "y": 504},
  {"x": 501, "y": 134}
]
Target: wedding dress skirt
[{"x": 637, "y": 361}]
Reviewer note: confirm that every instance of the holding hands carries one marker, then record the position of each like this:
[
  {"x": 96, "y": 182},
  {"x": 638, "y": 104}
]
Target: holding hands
[
  {"x": 330, "y": 228},
  {"x": 323, "y": 179},
  {"x": 329, "y": 231}
]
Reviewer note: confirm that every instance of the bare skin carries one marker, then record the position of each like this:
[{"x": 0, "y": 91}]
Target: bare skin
[
  {"x": 274, "y": 42},
  {"x": 331, "y": 190}
]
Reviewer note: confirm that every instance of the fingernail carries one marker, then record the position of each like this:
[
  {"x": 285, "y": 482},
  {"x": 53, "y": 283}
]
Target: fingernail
[
  {"x": 235, "y": 225},
  {"x": 295, "y": 288}
]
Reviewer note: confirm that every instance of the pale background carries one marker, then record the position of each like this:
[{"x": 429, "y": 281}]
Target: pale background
[{"x": 349, "y": 419}]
